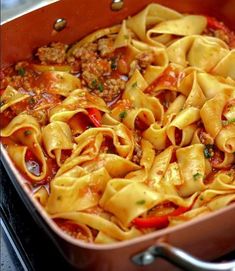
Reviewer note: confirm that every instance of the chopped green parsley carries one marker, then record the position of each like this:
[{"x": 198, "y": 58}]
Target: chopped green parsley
[
  {"x": 196, "y": 176},
  {"x": 227, "y": 122},
  {"x": 141, "y": 202},
  {"x": 113, "y": 64},
  {"x": 27, "y": 132},
  {"x": 134, "y": 85},
  {"x": 100, "y": 87},
  {"x": 21, "y": 71},
  {"x": 122, "y": 115},
  {"x": 208, "y": 151}
]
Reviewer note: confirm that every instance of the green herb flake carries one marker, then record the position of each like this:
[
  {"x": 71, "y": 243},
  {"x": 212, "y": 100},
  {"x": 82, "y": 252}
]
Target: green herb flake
[
  {"x": 134, "y": 85},
  {"x": 32, "y": 100},
  {"x": 227, "y": 122},
  {"x": 21, "y": 71},
  {"x": 94, "y": 83},
  {"x": 113, "y": 64},
  {"x": 196, "y": 176},
  {"x": 59, "y": 198},
  {"x": 141, "y": 202},
  {"x": 27, "y": 132},
  {"x": 100, "y": 87},
  {"x": 81, "y": 94},
  {"x": 231, "y": 120},
  {"x": 208, "y": 151},
  {"x": 122, "y": 115},
  {"x": 201, "y": 198}
]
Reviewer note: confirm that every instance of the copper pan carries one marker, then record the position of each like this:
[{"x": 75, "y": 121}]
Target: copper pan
[{"x": 207, "y": 237}]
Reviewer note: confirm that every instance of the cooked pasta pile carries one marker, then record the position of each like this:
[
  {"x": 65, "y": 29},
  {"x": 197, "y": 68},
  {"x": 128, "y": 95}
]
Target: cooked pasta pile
[{"x": 129, "y": 130}]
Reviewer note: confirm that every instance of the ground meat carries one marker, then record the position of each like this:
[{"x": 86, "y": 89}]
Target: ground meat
[
  {"x": 86, "y": 53},
  {"x": 145, "y": 59},
  {"x": 53, "y": 54},
  {"x": 137, "y": 150},
  {"x": 93, "y": 67},
  {"x": 111, "y": 89},
  {"x": 97, "y": 68},
  {"x": 105, "y": 46}
]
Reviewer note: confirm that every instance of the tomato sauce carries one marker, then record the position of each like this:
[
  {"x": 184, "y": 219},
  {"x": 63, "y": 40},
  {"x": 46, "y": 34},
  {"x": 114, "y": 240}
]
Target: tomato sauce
[{"x": 168, "y": 79}]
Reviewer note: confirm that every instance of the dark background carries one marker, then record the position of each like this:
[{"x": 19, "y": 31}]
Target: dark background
[{"x": 33, "y": 246}]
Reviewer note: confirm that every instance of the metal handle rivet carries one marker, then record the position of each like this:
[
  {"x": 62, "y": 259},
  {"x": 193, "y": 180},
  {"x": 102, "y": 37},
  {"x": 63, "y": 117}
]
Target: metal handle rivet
[
  {"x": 60, "y": 24},
  {"x": 117, "y": 5}
]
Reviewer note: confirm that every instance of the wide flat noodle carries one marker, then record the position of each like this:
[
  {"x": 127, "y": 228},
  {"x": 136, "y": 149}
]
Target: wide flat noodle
[{"x": 130, "y": 127}]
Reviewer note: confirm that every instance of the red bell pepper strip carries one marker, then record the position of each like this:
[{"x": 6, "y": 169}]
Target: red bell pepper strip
[
  {"x": 215, "y": 24},
  {"x": 158, "y": 222},
  {"x": 95, "y": 116}
]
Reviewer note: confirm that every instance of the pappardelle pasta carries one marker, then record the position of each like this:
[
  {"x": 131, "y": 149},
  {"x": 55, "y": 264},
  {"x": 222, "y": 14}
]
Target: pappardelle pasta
[{"x": 129, "y": 130}]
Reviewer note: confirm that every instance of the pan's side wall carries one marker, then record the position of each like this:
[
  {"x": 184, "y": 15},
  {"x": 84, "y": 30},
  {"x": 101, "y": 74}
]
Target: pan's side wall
[
  {"x": 20, "y": 36},
  {"x": 207, "y": 239}
]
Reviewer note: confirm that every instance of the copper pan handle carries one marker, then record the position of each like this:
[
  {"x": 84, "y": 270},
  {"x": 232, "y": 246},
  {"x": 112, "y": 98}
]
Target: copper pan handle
[{"x": 179, "y": 258}]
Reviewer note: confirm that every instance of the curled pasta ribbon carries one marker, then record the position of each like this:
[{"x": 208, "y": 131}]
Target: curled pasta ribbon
[
  {"x": 76, "y": 102},
  {"x": 209, "y": 195},
  {"x": 134, "y": 93},
  {"x": 10, "y": 97},
  {"x": 184, "y": 121},
  {"x": 121, "y": 136},
  {"x": 123, "y": 37},
  {"x": 192, "y": 167},
  {"x": 198, "y": 51},
  {"x": 212, "y": 85},
  {"x": 159, "y": 167},
  {"x": 144, "y": 115},
  {"x": 225, "y": 140},
  {"x": 146, "y": 161},
  {"x": 122, "y": 165},
  {"x": 213, "y": 109},
  {"x": 166, "y": 178},
  {"x": 25, "y": 130},
  {"x": 224, "y": 180},
  {"x": 221, "y": 201},
  {"x": 69, "y": 193},
  {"x": 225, "y": 66},
  {"x": 87, "y": 153},
  {"x": 141, "y": 198},
  {"x": 160, "y": 57},
  {"x": 56, "y": 138},
  {"x": 114, "y": 201},
  {"x": 151, "y": 15},
  {"x": 59, "y": 82},
  {"x": 101, "y": 224},
  {"x": 41, "y": 195},
  {"x": 191, "y": 87},
  {"x": 227, "y": 160},
  {"x": 156, "y": 135},
  {"x": 185, "y": 26}
]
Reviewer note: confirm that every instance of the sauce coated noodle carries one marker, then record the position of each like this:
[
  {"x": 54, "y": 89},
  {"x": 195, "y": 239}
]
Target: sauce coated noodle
[{"x": 129, "y": 130}]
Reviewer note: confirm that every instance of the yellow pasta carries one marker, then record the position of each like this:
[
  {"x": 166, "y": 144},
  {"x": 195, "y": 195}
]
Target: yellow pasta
[{"x": 129, "y": 130}]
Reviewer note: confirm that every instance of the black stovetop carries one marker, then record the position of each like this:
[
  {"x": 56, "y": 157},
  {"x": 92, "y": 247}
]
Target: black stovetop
[{"x": 24, "y": 245}]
